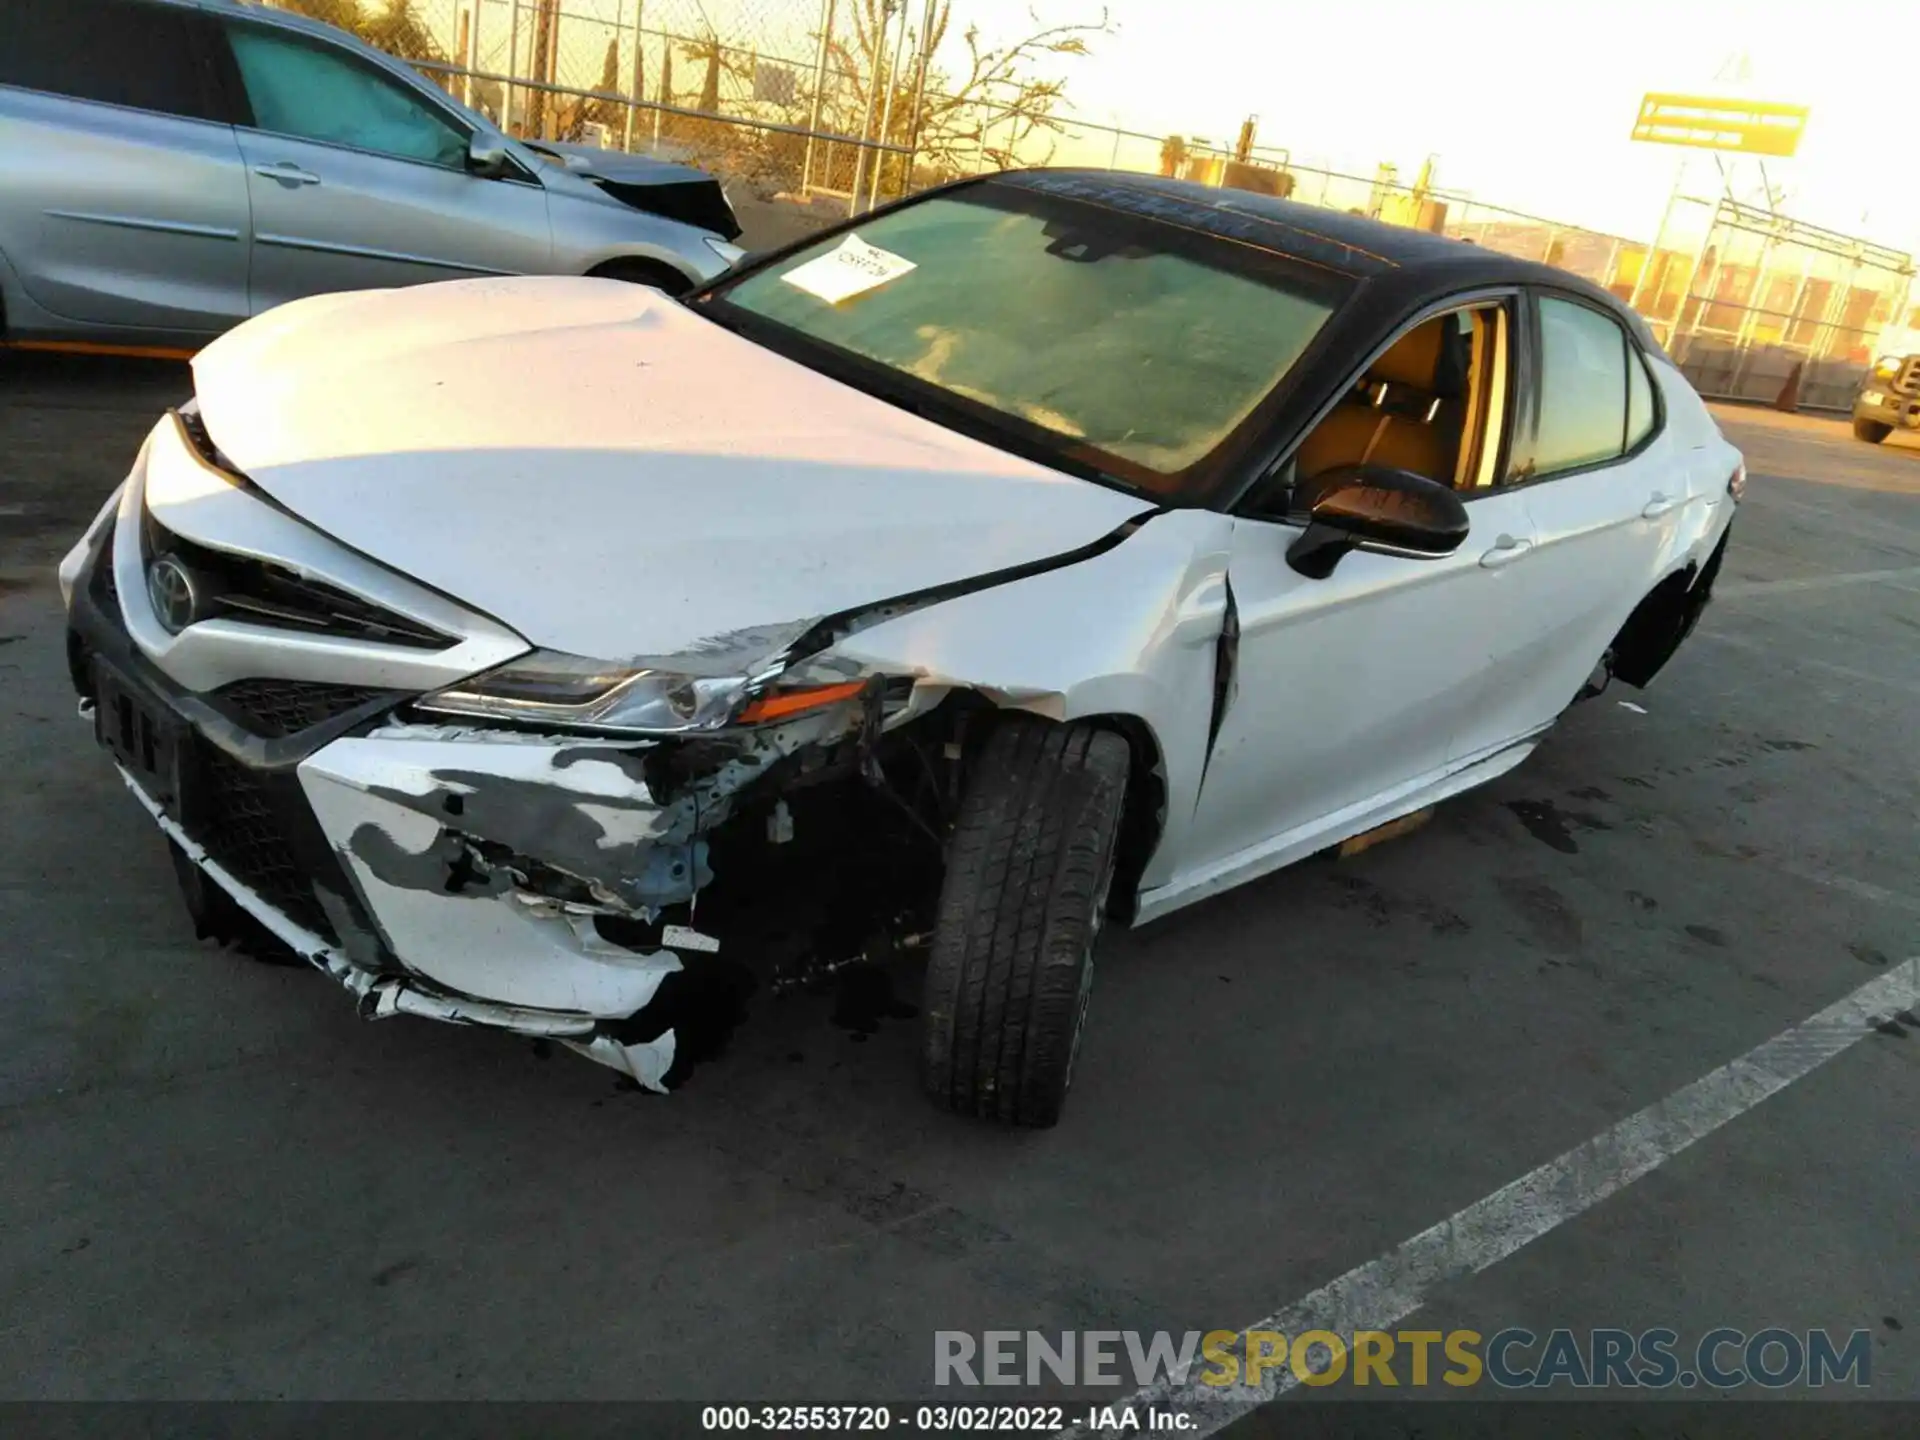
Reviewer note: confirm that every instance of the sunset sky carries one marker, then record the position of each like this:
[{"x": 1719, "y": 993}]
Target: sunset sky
[{"x": 1526, "y": 105}]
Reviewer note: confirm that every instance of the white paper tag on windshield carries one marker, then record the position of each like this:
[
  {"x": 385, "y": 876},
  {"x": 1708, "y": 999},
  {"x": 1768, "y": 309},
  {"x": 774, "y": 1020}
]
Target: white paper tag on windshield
[{"x": 852, "y": 269}]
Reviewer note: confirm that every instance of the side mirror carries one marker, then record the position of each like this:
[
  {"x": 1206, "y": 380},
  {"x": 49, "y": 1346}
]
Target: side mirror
[
  {"x": 487, "y": 155},
  {"x": 1392, "y": 510}
]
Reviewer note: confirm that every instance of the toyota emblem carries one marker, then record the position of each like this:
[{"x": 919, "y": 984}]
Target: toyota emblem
[{"x": 171, "y": 592}]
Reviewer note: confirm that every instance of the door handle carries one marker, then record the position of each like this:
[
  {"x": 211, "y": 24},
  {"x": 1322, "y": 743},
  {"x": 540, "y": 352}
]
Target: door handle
[
  {"x": 287, "y": 172},
  {"x": 1505, "y": 551},
  {"x": 1657, "y": 506}
]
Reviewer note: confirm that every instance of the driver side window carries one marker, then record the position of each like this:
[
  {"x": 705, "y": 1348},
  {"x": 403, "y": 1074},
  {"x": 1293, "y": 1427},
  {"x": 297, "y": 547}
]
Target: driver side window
[
  {"x": 312, "y": 92},
  {"x": 1433, "y": 403}
]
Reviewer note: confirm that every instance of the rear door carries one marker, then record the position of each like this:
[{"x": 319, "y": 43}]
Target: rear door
[
  {"x": 359, "y": 179},
  {"x": 125, "y": 202},
  {"x": 1604, "y": 496}
]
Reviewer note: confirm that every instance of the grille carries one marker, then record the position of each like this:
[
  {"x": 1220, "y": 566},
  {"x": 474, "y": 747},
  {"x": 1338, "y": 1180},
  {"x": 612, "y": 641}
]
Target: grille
[
  {"x": 1907, "y": 382},
  {"x": 276, "y": 708},
  {"x": 240, "y": 829},
  {"x": 242, "y": 588}
]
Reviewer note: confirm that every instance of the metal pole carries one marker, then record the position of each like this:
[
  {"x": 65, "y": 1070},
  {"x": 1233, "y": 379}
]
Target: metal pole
[
  {"x": 886, "y": 112},
  {"x": 1743, "y": 343},
  {"x": 1680, "y": 316},
  {"x": 866, "y": 122},
  {"x": 513, "y": 69},
  {"x": 920, "y": 95},
  {"x": 819, "y": 84},
  {"x": 1835, "y": 307},
  {"x": 462, "y": 38},
  {"x": 1653, "y": 255},
  {"x": 666, "y": 68},
  {"x": 1799, "y": 297},
  {"x": 634, "y": 89}
]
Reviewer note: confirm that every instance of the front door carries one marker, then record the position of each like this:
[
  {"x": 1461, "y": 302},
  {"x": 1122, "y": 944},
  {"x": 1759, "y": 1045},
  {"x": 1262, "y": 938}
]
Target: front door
[
  {"x": 359, "y": 181},
  {"x": 1347, "y": 688},
  {"x": 1356, "y": 688}
]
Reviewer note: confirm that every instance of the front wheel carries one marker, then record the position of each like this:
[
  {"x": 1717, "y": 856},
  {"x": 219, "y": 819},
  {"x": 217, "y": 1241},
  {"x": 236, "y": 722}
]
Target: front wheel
[
  {"x": 1028, "y": 871},
  {"x": 1871, "y": 431}
]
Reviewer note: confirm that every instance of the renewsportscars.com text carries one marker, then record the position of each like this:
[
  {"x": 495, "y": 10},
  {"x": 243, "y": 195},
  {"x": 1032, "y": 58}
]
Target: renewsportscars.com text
[{"x": 1512, "y": 1359}]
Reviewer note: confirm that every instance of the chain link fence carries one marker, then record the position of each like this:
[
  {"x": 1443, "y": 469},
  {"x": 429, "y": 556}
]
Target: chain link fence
[
  {"x": 812, "y": 110},
  {"x": 1746, "y": 300},
  {"x": 784, "y": 98}
]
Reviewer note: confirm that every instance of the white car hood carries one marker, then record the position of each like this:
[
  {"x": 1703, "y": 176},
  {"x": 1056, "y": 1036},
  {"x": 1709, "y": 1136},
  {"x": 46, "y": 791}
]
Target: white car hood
[{"x": 613, "y": 476}]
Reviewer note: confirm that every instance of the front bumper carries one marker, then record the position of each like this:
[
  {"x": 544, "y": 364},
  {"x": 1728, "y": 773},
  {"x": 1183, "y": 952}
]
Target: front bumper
[
  {"x": 1887, "y": 408},
  {"x": 452, "y": 874}
]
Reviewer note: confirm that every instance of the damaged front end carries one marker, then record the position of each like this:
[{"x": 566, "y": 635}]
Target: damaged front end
[
  {"x": 599, "y": 855},
  {"x": 355, "y": 767},
  {"x": 572, "y": 874}
]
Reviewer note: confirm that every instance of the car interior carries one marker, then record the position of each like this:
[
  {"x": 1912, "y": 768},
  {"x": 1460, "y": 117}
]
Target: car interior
[{"x": 1426, "y": 405}]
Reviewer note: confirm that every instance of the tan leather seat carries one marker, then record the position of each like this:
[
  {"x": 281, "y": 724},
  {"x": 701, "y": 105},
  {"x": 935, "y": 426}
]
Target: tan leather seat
[{"x": 1357, "y": 432}]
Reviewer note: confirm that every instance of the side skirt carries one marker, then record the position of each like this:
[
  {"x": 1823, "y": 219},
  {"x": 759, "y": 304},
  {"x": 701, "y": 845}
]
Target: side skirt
[{"x": 1284, "y": 849}]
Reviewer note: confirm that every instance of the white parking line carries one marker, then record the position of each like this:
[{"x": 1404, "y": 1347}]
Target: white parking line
[{"x": 1384, "y": 1291}]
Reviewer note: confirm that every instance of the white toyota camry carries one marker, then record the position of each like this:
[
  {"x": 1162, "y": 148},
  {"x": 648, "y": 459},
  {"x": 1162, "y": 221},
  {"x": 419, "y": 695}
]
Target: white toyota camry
[{"x": 552, "y": 655}]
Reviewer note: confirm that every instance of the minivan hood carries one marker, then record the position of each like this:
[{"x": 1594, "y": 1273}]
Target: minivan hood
[{"x": 612, "y": 475}]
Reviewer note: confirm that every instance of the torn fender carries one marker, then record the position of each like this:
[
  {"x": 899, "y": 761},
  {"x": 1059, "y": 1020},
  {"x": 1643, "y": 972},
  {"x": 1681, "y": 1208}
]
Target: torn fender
[{"x": 1132, "y": 630}]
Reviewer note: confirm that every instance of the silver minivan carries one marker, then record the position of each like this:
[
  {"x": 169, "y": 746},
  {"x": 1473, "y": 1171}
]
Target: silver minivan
[{"x": 170, "y": 167}]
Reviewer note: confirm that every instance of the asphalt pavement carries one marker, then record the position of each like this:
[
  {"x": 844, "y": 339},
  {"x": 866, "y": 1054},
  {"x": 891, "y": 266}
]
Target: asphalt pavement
[{"x": 221, "y": 1184}]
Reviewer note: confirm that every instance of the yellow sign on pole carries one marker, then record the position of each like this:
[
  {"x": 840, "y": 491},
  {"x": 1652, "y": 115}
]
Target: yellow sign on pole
[{"x": 1748, "y": 127}]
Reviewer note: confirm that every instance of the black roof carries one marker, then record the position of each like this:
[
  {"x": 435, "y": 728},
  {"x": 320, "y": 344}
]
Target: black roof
[{"x": 1409, "y": 261}]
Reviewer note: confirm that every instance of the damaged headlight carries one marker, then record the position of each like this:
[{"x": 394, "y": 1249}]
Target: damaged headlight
[{"x": 571, "y": 692}]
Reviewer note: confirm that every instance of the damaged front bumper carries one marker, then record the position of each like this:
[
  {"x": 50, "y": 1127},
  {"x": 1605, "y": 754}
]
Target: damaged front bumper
[{"x": 538, "y": 884}]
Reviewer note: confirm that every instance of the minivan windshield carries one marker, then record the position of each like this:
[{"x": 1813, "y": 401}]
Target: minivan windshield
[{"x": 1135, "y": 345}]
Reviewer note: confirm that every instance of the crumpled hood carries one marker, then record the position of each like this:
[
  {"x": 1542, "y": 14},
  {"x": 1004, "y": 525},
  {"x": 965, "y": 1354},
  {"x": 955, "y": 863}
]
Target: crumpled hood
[{"x": 611, "y": 475}]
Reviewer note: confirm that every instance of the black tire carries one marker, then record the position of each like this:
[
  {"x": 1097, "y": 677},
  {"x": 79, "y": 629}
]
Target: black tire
[
  {"x": 646, "y": 272},
  {"x": 1871, "y": 431},
  {"x": 1028, "y": 870}
]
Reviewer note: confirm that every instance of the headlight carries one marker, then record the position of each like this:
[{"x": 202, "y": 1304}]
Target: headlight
[
  {"x": 1886, "y": 367},
  {"x": 570, "y": 692}
]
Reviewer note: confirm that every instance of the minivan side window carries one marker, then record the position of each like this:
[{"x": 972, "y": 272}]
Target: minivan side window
[
  {"x": 316, "y": 93},
  {"x": 121, "y": 52},
  {"x": 1583, "y": 388}
]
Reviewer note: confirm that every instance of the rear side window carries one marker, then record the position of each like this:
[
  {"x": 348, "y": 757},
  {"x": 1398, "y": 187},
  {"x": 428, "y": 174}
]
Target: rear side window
[
  {"x": 1583, "y": 388},
  {"x": 317, "y": 93},
  {"x": 121, "y": 52}
]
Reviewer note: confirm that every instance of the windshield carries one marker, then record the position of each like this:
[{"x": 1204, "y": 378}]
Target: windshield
[{"x": 1136, "y": 341}]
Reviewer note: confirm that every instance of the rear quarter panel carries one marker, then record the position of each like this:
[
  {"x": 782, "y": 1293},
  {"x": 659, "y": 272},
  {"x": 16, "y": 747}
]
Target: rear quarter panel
[{"x": 1706, "y": 459}]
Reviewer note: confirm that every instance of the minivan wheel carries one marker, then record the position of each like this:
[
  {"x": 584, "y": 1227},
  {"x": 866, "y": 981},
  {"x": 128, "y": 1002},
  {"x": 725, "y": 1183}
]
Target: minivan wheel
[
  {"x": 1871, "y": 431},
  {"x": 1028, "y": 870}
]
